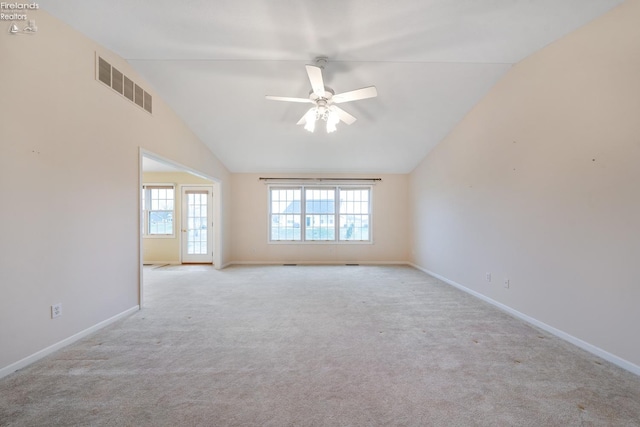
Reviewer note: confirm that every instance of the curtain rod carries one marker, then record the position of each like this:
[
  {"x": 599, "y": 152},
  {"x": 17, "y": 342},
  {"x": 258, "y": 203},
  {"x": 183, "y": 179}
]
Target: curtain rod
[{"x": 321, "y": 179}]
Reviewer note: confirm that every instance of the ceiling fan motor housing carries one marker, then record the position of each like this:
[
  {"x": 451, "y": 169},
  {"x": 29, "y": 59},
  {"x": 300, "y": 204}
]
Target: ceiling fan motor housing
[
  {"x": 328, "y": 94},
  {"x": 321, "y": 61}
]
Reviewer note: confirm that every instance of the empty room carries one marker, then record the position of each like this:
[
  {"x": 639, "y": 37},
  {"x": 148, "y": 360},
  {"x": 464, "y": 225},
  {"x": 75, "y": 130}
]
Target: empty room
[{"x": 357, "y": 213}]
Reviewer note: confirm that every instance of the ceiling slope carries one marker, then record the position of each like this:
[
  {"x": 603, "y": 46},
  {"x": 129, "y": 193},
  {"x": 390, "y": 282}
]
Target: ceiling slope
[{"x": 431, "y": 61}]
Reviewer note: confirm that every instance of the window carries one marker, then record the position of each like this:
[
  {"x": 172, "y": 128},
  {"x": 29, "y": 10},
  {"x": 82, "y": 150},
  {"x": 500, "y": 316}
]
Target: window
[
  {"x": 320, "y": 214},
  {"x": 286, "y": 211},
  {"x": 158, "y": 210},
  {"x": 331, "y": 214},
  {"x": 354, "y": 214}
]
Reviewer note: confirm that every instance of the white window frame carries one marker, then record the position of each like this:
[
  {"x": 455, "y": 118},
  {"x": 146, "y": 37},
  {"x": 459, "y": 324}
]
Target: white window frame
[
  {"x": 270, "y": 211},
  {"x": 303, "y": 213},
  {"x": 146, "y": 201},
  {"x": 369, "y": 213}
]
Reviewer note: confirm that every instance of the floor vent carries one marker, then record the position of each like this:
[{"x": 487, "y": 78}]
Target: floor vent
[
  {"x": 112, "y": 77},
  {"x": 353, "y": 264},
  {"x": 289, "y": 265}
]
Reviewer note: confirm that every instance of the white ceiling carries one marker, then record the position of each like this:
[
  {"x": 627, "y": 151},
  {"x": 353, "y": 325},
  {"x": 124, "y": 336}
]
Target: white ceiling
[{"x": 431, "y": 61}]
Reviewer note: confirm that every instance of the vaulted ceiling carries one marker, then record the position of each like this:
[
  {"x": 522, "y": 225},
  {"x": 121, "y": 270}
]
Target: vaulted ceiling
[{"x": 213, "y": 62}]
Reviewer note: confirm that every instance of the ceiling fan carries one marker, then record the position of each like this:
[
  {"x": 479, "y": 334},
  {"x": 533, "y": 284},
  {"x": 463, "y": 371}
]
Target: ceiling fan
[{"x": 324, "y": 100}]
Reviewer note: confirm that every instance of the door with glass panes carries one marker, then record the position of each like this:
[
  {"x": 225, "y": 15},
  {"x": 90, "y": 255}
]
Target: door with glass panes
[{"x": 197, "y": 224}]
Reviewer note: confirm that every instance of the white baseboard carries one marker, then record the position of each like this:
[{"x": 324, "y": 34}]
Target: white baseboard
[
  {"x": 342, "y": 262},
  {"x": 625, "y": 364},
  {"x": 65, "y": 342},
  {"x": 161, "y": 263}
]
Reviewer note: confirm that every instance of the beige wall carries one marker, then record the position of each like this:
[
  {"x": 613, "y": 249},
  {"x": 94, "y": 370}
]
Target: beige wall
[
  {"x": 540, "y": 184},
  {"x": 250, "y": 223},
  {"x": 166, "y": 250},
  {"x": 69, "y": 180}
]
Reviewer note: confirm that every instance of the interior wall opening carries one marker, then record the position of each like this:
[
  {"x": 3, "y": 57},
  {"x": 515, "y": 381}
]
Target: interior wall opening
[{"x": 179, "y": 215}]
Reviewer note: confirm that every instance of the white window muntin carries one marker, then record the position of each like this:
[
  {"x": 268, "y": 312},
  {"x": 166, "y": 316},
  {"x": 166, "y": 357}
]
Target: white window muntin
[
  {"x": 360, "y": 217},
  {"x": 158, "y": 205}
]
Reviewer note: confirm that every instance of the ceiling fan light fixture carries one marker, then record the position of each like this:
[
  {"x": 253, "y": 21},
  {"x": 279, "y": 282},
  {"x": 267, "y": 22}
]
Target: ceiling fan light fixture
[
  {"x": 310, "y": 126},
  {"x": 322, "y": 112},
  {"x": 332, "y": 121},
  {"x": 310, "y": 120}
]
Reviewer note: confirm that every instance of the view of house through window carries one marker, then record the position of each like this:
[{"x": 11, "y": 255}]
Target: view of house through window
[
  {"x": 314, "y": 214},
  {"x": 320, "y": 214},
  {"x": 158, "y": 209},
  {"x": 354, "y": 214},
  {"x": 286, "y": 210}
]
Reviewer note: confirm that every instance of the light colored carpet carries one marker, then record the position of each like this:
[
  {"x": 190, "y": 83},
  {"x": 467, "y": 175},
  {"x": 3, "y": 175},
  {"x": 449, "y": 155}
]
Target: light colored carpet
[{"x": 317, "y": 346}]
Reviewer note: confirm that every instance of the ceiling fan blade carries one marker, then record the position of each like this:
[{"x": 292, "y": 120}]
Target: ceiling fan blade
[
  {"x": 354, "y": 95},
  {"x": 315, "y": 77},
  {"x": 285, "y": 98},
  {"x": 343, "y": 115},
  {"x": 303, "y": 120}
]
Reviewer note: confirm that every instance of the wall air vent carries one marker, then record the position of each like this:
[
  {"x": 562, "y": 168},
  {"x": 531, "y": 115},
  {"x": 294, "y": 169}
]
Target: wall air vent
[{"x": 122, "y": 84}]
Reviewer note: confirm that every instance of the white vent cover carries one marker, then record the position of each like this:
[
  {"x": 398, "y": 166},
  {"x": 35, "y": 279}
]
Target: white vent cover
[{"x": 122, "y": 84}]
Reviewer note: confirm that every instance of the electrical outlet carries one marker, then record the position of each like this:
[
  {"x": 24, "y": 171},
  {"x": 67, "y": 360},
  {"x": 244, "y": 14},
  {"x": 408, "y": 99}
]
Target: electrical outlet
[
  {"x": 56, "y": 310},
  {"x": 506, "y": 283},
  {"x": 488, "y": 277}
]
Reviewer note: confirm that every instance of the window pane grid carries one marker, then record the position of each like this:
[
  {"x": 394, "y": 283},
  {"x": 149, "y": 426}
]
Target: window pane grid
[
  {"x": 286, "y": 210},
  {"x": 319, "y": 214},
  {"x": 354, "y": 214},
  {"x": 159, "y": 200},
  {"x": 197, "y": 223}
]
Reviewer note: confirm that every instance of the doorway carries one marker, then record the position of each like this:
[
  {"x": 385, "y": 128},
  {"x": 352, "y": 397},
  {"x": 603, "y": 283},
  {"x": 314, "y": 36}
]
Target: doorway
[
  {"x": 197, "y": 224},
  {"x": 166, "y": 250}
]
